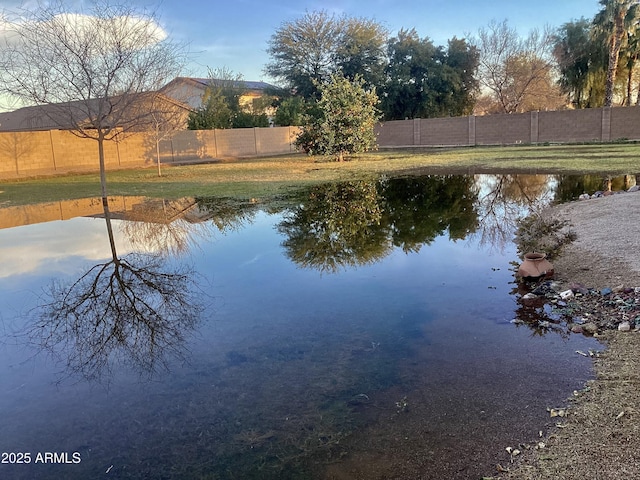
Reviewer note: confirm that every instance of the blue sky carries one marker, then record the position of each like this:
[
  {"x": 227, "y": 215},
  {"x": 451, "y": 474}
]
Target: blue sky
[{"x": 234, "y": 33}]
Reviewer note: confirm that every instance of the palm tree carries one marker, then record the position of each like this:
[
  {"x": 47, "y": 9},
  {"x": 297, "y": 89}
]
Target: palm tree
[{"x": 614, "y": 20}]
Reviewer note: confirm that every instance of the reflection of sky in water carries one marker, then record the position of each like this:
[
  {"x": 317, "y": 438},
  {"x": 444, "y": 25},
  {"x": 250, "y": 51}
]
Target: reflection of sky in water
[
  {"x": 273, "y": 334},
  {"x": 50, "y": 248}
]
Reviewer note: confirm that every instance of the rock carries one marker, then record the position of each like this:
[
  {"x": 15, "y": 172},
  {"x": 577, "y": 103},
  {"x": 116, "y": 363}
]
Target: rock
[
  {"x": 530, "y": 296},
  {"x": 584, "y": 196},
  {"x": 618, "y": 289},
  {"x": 579, "y": 288},
  {"x": 624, "y": 327},
  {"x": 635, "y": 188},
  {"x": 576, "y": 328},
  {"x": 590, "y": 328},
  {"x": 605, "y": 291},
  {"x": 566, "y": 294}
]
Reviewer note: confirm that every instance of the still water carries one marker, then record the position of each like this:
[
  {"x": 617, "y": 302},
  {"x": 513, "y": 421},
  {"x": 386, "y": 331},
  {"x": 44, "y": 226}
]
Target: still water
[{"x": 359, "y": 330}]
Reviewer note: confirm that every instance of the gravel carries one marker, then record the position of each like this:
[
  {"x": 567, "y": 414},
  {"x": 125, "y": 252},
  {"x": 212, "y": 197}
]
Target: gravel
[{"x": 607, "y": 249}]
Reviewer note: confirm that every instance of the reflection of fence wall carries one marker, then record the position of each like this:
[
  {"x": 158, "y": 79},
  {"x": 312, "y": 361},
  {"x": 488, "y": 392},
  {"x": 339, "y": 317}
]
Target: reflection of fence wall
[
  {"x": 47, "y": 212},
  {"x": 45, "y": 152},
  {"x": 597, "y": 124},
  {"x": 31, "y": 153}
]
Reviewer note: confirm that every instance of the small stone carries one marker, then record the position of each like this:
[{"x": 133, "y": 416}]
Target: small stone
[
  {"x": 635, "y": 188},
  {"x": 566, "y": 294},
  {"x": 530, "y": 296},
  {"x": 590, "y": 328},
  {"x": 605, "y": 291},
  {"x": 576, "y": 328},
  {"x": 619, "y": 289},
  {"x": 624, "y": 327}
]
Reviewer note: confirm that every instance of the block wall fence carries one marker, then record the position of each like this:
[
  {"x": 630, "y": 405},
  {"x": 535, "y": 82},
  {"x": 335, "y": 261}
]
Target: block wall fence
[{"x": 46, "y": 152}]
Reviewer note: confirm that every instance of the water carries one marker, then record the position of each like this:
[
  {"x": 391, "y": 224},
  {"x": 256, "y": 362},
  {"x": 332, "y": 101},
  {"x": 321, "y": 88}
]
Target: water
[{"x": 361, "y": 331}]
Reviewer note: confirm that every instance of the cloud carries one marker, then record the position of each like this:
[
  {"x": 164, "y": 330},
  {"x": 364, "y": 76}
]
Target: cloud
[{"x": 101, "y": 27}]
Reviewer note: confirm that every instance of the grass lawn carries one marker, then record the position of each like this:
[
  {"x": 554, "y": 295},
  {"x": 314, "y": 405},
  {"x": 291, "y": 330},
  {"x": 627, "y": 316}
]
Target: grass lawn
[{"x": 266, "y": 178}]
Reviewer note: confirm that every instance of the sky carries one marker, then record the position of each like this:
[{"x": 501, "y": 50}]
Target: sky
[{"x": 234, "y": 34}]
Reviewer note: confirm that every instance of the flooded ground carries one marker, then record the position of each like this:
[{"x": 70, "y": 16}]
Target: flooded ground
[{"x": 364, "y": 330}]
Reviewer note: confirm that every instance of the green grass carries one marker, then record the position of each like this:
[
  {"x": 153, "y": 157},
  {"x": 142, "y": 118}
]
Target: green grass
[{"x": 271, "y": 177}]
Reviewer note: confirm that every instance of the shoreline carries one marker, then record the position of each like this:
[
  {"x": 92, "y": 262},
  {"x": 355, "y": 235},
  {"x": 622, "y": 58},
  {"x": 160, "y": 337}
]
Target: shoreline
[{"x": 598, "y": 437}]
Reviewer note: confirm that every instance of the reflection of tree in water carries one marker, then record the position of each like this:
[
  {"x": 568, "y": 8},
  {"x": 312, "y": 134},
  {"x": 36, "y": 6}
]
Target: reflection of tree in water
[
  {"x": 135, "y": 311},
  {"x": 419, "y": 209},
  {"x": 505, "y": 199},
  {"x": 570, "y": 187},
  {"x": 358, "y": 223},
  {"x": 336, "y": 225},
  {"x": 174, "y": 226}
]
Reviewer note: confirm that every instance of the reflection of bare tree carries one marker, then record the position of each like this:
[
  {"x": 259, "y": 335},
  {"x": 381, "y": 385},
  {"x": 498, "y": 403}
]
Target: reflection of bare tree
[
  {"x": 504, "y": 199},
  {"x": 134, "y": 311},
  {"x": 171, "y": 227}
]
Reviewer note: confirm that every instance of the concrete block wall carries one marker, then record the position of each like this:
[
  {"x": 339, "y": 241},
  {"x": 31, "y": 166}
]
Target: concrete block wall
[
  {"x": 625, "y": 123},
  {"x": 395, "y": 133},
  {"x": 236, "y": 142},
  {"x": 45, "y": 152},
  {"x": 21, "y": 152},
  {"x": 444, "y": 131},
  {"x": 571, "y": 126},
  {"x": 503, "y": 129},
  {"x": 566, "y": 126}
]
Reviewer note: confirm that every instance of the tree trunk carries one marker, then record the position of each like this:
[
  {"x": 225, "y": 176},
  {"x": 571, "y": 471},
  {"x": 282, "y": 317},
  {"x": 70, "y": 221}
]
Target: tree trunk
[
  {"x": 105, "y": 199},
  {"x": 158, "y": 156},
  {"x": 629, "y": 75},
  {"x": 614, "y": 51}
]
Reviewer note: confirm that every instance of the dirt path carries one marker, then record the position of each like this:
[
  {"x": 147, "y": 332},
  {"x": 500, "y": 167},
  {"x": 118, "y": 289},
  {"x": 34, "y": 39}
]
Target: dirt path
[{"x": 599, "y": 438}]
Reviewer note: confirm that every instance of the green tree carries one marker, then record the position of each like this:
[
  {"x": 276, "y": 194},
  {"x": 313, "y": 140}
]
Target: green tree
[
  {"x": 461, "y": 62},
  {"x": 614, "y": 20},
  {"x": 342, "y": 122},
  {"x": 214, "y": 112},
  {"x": 361, "y": 51},
  {"x": 221, "y": 106},
  {"x": 291, "y": 111},
  {"x": 220, "y": 101},
  {"x": 428, "y": 81},
  {"x": 581, "y": 61},
  {"x": 307, "y": 51}
]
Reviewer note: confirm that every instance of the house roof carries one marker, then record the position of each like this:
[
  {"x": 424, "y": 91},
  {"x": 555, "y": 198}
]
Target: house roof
[
  {"x": 71, "y": 115},
  {"x": 246, "y": 84}
]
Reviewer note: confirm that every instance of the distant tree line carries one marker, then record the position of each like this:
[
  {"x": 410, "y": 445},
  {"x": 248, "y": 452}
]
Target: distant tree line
[
  {"x": 584, "y": 63},
  {"x": 411, "y": 75}
]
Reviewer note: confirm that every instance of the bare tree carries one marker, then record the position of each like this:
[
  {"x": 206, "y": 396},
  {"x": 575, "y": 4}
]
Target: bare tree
[
  {"x": 516, "y": 72},
  {"x": 166, "y": 117},
  {"x": 94, "y": 72}
]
